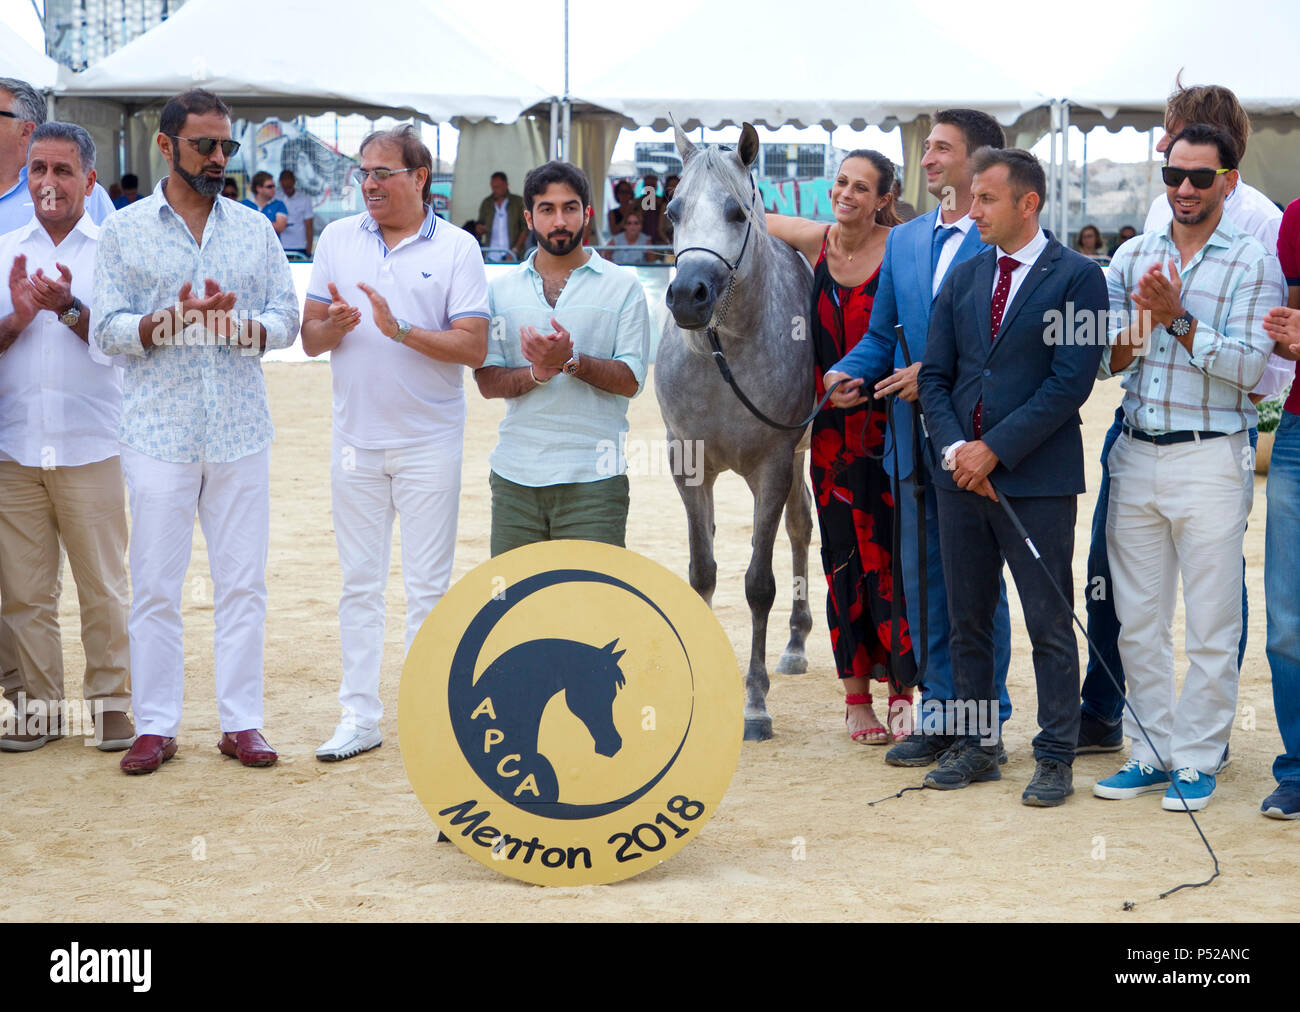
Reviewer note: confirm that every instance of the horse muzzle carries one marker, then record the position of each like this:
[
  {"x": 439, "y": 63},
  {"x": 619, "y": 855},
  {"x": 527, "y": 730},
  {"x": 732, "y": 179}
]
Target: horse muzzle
[{"x": 695, "y": 291}]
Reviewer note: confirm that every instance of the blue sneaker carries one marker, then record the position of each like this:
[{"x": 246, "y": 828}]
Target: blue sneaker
[
  {"x": 1283, "y": 803},
  {"x": 1133, "y": 779},
  {"x": 1197, "y": 788}
]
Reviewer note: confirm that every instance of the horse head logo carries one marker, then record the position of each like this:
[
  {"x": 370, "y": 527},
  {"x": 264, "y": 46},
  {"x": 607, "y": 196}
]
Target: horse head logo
[{"x": 511, "y": 696}]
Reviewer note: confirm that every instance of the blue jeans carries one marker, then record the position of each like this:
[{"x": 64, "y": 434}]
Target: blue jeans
[
  {"x": 1103, "y": 700},
  {"x": 937, "y": 680},
  {"x": 1282, "y": 591}
]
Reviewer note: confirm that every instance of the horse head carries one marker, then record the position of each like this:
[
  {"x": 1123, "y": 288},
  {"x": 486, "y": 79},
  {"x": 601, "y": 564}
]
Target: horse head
[
  {"x": 591, "y": 684},
  {"x": 713, "y": 213}
]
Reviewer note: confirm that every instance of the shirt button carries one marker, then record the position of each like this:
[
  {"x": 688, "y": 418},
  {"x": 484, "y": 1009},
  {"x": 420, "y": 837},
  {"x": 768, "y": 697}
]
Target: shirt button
[{"x": 988, "y": 372}]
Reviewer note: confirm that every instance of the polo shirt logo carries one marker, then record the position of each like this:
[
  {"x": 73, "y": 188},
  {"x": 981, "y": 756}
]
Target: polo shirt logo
[{"x": 426, "y": 274}]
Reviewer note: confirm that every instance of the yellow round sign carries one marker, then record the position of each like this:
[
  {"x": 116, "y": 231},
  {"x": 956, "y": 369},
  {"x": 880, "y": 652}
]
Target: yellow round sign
[{"x": 570, "y": 713}]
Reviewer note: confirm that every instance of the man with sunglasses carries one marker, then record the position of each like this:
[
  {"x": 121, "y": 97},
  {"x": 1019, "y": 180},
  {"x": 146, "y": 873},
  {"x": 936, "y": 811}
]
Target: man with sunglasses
[
  {"x": 190, "y": 290},
  {"x": 1253, "y": 213},
  {"x": 399, "y": 299},
  {"x": 1182, "y": 472},
  {"x": 22, "y": 110},
  {"x": 263, "y": 199}
]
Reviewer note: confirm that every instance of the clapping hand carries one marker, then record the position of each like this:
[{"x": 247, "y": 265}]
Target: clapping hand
[
  {"x": 546, "y": 352},
  {"x": 343, "y": 316},
  {"x": 54, "y": 294},
  {"x": 1160, "y": 295},
  {"x": 384, "y": 318},
  {"x": 21, "y": 293},
  {"x": 213, "y": 311},
  {"x": 1283, "y": 326}
]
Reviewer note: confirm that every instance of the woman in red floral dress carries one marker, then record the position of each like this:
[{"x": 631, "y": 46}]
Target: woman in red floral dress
[{"x": 854, "y": 501}]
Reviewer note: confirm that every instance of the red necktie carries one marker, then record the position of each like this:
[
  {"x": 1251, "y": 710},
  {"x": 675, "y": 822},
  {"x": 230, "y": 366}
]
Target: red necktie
[{"x": 1001, "y": 293}]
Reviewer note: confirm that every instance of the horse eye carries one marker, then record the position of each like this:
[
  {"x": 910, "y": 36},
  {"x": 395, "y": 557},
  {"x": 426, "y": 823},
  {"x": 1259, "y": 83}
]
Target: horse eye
[
  {"x": 732, "y": 210},
  {"x": 674, "y": 210}
]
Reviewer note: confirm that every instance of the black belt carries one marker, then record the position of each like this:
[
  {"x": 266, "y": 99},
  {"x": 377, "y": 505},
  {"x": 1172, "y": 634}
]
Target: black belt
[{"x": 1165, "y": 439}]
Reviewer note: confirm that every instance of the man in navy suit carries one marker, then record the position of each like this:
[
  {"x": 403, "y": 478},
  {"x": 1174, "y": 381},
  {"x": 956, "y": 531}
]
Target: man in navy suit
[
  {"x": 1001, "y": 384},
  {"x": 918, "y": 256}
]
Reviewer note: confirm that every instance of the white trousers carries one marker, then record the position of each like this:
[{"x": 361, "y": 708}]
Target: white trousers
[
  {"x": 1179, "y": 510},
  {"x": 370, "y": 487},
  {"x": 233, "y": 503}
]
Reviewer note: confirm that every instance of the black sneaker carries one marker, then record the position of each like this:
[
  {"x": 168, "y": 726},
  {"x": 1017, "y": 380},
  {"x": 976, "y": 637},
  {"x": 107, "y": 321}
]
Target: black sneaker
[
  {"x": 1051, "y": 784},
  {"x": 1002, "y": 752},
  {"x": 1098, "y": 736},
  {"x": 964, "y": 764},
  {"x": 918, "y": 749}
]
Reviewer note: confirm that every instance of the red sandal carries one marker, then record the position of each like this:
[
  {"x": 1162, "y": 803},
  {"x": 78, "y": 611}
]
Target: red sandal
[
  {"x": 901, "y": 722},
  {"x": 866, "y": 735}
]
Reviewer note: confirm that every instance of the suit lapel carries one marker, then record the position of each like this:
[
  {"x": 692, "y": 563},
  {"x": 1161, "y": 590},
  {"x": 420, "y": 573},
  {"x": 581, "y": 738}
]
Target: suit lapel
[
  {"x": 1041, "y": 269},
  {"x": 922, "y": 254}
]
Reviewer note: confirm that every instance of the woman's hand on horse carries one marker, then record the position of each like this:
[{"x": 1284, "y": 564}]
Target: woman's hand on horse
[
  {"x": 902, "y": 383},
  {"x": 847, "y": 394}
]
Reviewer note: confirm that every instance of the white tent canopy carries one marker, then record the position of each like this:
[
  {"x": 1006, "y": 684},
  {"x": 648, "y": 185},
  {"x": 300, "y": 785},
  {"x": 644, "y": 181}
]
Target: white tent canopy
[
  {"x": 289, "y": 58},
  {"x": 18, "y": 59}
]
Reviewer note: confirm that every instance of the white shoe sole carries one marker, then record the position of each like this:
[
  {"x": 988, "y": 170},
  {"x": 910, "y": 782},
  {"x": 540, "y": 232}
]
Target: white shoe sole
[
  {"x": 1175, "y": 805},
  {"x": 1124, "y": 793},
  {"x": 346, "y": 752},
  {"x": 1277, "y": 813}
]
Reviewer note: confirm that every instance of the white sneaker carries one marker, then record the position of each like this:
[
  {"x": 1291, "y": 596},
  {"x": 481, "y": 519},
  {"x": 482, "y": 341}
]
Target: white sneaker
[{"x": 350, "y": 738}]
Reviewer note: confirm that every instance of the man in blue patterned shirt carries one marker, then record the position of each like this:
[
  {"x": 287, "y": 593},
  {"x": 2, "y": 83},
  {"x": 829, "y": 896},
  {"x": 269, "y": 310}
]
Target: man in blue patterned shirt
[{"x": 196, "y": 429}]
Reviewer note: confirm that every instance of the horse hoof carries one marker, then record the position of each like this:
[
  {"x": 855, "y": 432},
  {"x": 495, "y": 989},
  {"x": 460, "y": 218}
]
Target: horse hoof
[
  {"x": 758, "y": 728},
  {"x": 792, "y": 663}
]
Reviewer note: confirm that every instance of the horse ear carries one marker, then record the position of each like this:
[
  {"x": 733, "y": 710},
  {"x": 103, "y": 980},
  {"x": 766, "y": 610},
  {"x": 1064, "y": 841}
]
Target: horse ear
[
  {"x": 608, "y": 648},
  {"x": 748, "y": 145},
  {"x": 685, "y": 148}
]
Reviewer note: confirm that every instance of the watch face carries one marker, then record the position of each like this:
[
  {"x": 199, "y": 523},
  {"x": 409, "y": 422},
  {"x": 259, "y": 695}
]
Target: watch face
[{"x": 1180, "y": 326}]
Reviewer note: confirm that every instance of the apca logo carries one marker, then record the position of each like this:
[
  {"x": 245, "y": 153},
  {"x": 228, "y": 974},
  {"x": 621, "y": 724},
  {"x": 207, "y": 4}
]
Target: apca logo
[{"x": 522, "y": 713}]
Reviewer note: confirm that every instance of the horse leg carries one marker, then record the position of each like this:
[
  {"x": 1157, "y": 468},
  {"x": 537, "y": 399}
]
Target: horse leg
[
  {"x": 770, "y": 484},
  {"x": 798, "y": 526},
  {"x": 697, "y": 496}
]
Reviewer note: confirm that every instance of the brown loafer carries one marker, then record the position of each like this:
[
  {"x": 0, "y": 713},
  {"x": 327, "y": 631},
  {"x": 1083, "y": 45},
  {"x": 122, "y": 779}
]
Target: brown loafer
[
  {"x": 148, "y": 753},
  {"x": 114, "y": 731},
  {"x": 249, "y": 747},
  {"x": 15, "y": 742}
]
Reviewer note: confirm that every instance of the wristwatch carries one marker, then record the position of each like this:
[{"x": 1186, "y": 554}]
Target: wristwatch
[
  {"x": 571, "y": 366},
  {"x": 1180, "y": 326},
  {"x": 71, "y": 316},
  {"x": 403, "y": 328}
]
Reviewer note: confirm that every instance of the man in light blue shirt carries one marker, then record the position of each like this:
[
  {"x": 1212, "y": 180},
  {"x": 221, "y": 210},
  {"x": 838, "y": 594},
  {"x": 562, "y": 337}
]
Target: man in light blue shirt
[
  {"x": 196, "y": 428},
  {"x": 568, "y": 348},
  {"x": 22, "y": 110}
]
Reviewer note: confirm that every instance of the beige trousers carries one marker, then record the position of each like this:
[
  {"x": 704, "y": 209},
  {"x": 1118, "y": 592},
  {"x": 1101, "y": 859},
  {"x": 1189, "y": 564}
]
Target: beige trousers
[{"x": 86, "y": 507}]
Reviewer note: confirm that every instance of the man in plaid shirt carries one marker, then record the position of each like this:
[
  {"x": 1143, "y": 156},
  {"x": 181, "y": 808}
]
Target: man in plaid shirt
[{"x": 1182, "y": 473}]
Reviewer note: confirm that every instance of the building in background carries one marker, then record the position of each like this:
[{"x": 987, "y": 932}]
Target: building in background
[{"x": 81, "y": 32}]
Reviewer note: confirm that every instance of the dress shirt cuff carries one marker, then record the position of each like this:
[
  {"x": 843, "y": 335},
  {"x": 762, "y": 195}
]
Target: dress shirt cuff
[{"x": 950, "y": 454}]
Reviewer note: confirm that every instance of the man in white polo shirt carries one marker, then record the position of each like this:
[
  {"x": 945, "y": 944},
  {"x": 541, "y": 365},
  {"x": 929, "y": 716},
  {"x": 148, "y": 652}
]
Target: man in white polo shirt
[
  {"x": 60, "y": 473},
  {"x": 570, "y": 339},
  {"x": 399, "y": 403},
  {"x": 296, "y": 238}
]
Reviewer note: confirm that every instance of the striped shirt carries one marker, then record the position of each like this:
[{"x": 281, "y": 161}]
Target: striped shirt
[{"x": 1228, "y": 287}]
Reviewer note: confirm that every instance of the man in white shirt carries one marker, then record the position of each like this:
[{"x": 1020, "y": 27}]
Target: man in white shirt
[
  {"x": 297, "y": 237},
  {"x": 399, "y": 403},
  {"x": 570, "y": 343},
  {"x": 60, "y": 475}
]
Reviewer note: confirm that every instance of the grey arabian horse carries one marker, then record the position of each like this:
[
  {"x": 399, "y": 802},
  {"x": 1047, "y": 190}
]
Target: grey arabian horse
[{"x": 755, "y": 291}]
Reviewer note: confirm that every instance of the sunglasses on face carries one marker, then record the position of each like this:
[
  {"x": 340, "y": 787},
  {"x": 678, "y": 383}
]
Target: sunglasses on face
[
  {"x": 206, "y": 145},
  {"x": 359, "y": 176},
  {"x": 1202, "y": 179},
  {"x": 10, "y": 115}
]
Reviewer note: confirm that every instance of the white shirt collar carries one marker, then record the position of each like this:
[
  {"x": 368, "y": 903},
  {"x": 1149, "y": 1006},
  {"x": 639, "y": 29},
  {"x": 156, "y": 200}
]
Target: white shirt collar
[
  {"x": 1029, "y": 252},
  {"x": 965, "y": 223},
  {"x": 85, "y": 225}
]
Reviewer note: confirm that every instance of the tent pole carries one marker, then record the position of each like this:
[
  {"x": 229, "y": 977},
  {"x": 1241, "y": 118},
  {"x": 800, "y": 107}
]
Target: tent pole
[
  {"x": 553, "y": 145},
  {"x": 1053, "y": 193},
  {"x": 564, "y": 130},
  {"x": 1065, "y": 170}
]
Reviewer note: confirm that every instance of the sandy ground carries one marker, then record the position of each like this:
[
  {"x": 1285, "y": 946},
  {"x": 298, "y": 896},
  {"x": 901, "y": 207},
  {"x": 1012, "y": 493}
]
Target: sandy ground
[{"x": 794, "y": 839}]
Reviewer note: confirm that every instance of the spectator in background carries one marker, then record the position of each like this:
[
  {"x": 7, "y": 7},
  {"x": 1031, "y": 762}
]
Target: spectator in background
[
  {"x": 475, "y": 228},
  {"x": 1088, "y": 242},
  {"x": 629, "y": 245},
  {"x": 665, "y": 236},
  {"x": 22, "y": 110},
  {"x": 624, "y": 201},
  {"x": 1125, "y": 234},
  {"x": 502, "y": 215},
  {"x": 297, "y": 237},
  {"x": 230, "y": 188},
  {"x": 264, "y": 200},
  {"x": 130, "y": 190},
  {"x": 114, "y": 192},
  {"x": 650, "y": 205},
  {"x": 905, "y": 211}
]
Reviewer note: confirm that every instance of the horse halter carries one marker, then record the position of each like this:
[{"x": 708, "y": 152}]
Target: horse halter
[{"x": 731, "y": 268}]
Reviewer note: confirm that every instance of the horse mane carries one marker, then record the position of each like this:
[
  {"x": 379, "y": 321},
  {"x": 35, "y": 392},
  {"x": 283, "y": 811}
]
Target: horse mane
[{"x": 715, "y": 162}]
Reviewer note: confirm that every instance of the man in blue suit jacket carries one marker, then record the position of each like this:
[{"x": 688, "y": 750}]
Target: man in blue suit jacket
[
  {"x": 1002, "y": 383},
  {"x": 918, "y": 255}
]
